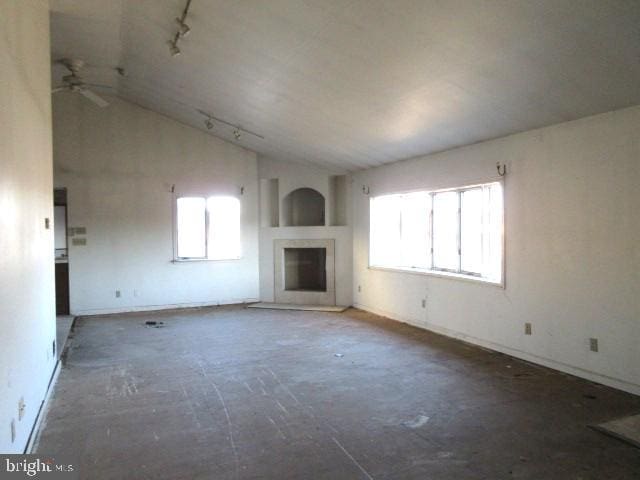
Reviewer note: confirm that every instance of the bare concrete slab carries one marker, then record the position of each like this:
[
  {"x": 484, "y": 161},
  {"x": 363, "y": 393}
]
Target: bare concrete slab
[
  {"x": 235, "y": 393},
  {"x": 305, "y": 308}
]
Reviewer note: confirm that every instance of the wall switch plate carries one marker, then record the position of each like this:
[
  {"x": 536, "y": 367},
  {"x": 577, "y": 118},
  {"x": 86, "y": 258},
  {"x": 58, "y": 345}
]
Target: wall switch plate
[
  {"x": 359, "y": 288},
  {"x": 527, "y": 328},
  {"x": 117, "y": 293},
  {"x": 47, "y": 223},
  {"x": 593, "y": 344},
  {"x": 424, "y": 303}
]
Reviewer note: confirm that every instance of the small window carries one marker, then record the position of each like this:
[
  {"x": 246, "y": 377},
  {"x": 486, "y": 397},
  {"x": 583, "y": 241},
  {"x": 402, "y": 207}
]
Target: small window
[
  {"x": 208, "y": 228},
  {"x": 399, "y": 230},
  {"x": 224, "y": 228},
  {"x": 445, "y": 231},
  {"x": 457, "y": 231},
  {"x": 192, "y": 222}
]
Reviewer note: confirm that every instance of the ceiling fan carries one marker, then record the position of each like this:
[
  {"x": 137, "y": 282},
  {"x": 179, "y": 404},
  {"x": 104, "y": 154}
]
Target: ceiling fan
[{"x": 74, "y": 82}]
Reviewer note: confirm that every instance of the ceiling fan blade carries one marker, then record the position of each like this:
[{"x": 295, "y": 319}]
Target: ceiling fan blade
[{"x": 101, "y": 102}]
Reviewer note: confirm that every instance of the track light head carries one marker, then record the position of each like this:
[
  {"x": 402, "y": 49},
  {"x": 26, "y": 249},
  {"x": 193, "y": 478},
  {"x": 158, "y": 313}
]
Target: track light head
[
  {"x": 208, "y": 123},
  {"x": 173, "y": 48},
  {"x": 183, "y": 29},
  {"x": 237, "y": 134}
]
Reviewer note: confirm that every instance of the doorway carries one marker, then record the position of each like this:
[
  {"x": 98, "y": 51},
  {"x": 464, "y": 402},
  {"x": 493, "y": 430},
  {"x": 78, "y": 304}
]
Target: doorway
[{"x": 61, "y": 250}]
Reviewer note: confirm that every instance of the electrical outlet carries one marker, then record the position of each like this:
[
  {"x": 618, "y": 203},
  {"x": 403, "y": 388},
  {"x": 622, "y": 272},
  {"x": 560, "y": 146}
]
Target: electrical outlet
[
  {"x": 47, "y": 223},
  {"x": 424, "y": 303},
  {"x": 21, "y": 407},
  {"x": 527, "y": 328},
  {"x": 117, "y": 293},
  {"x": 593, "y": 344},
  {"x": 13, "y": 430},
  {"x": 359, "y": 288}
]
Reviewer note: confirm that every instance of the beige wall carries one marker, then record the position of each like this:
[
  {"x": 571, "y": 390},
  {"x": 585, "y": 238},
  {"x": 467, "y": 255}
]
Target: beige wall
[
  {"x": 27, "y": 302},
  {"x": 572, "y": 195}
]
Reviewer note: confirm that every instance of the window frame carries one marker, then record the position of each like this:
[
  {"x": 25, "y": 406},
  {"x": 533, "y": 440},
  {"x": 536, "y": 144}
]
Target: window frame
[
  {"x": 206, "y": 258},
  {"x": 458, "y": 274}
]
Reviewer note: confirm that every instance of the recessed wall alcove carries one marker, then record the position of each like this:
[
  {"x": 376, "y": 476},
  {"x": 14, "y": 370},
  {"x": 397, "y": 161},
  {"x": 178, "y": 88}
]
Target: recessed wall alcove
[{"x": 303, "y": 207}]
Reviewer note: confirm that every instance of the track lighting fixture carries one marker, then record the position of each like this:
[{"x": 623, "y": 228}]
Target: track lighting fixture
[
  {"x": 174, "y": 49},
  {"x": 183, "y": 31},
  {"x": 238, "y": 131},
  {"x": 183, "y": 28}
]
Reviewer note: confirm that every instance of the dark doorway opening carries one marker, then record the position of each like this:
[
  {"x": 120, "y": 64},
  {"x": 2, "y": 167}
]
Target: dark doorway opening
[{"x": 61, "y": 251}]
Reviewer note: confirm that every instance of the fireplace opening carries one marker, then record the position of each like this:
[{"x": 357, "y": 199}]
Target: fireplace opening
[{"x": 305, "y": 269}]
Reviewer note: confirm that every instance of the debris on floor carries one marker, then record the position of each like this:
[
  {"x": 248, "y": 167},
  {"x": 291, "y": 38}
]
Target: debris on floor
[
  {"x": 626, "y": 429},
  {"x": 417, "y": 422},
  {"x": 154, "y": 324}
]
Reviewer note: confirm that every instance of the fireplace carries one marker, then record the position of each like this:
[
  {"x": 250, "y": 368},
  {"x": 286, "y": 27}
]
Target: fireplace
[
  {"x": 305, "y": 269},
  {"x": 304, "y": 272}
]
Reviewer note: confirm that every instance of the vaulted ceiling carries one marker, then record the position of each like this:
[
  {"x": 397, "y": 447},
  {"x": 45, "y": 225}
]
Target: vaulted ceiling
[{"x": 350, "y": 84}]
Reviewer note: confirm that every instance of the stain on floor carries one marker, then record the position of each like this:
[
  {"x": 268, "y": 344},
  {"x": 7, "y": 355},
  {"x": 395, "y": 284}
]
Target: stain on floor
[{"x": 233, "y": 393}]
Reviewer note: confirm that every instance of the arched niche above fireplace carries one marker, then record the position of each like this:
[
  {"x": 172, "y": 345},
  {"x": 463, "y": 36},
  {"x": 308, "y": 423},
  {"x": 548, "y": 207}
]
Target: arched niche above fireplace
[{"x": 303, "y": 207}]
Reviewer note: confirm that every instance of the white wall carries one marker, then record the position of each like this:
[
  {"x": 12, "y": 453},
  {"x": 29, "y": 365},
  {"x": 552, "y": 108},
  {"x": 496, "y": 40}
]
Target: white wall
[
  {"x": 27, "y": 299},
  {"x": 118, "y": 165},
  {"x": 292, "y": 176},
  {"x": 572, "y": 248}
]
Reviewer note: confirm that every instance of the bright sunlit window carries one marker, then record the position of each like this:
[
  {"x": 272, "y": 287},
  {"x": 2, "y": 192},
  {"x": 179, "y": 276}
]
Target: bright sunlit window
[
  {"x": 456, "y": 231},
  {"x": 208, "y": 228}
]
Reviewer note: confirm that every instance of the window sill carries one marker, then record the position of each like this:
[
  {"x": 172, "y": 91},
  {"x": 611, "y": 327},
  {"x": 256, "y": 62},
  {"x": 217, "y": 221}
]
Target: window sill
[
  {"x": 436, "y": 273},
  {"x": 198, "y": 260}
]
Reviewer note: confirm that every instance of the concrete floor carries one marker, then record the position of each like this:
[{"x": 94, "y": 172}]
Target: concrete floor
[{"x": 233, "y": 393}]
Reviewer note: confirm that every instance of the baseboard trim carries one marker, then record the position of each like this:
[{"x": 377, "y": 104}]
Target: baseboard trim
[
  {"x": 513, "y": 352},
  {"x": 153, "y": 308},
  {"x": 35, "y": 429}
]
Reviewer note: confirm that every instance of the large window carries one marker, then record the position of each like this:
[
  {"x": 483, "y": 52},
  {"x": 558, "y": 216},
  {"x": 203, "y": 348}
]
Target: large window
[
  {"x": 456, "y": 231},
  {"x": 208, "y": 228}
]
